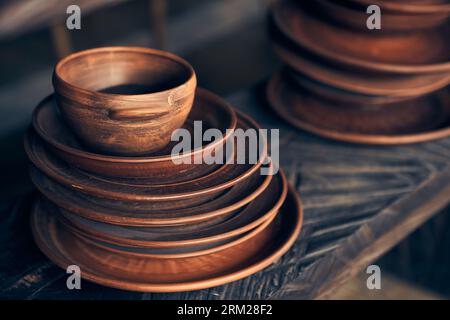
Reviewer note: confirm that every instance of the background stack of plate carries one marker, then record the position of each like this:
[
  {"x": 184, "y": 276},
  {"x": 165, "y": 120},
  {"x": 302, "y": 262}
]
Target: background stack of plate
[
  {"x": 347, "y": 82},
  {"x": 145, "y": 223}
]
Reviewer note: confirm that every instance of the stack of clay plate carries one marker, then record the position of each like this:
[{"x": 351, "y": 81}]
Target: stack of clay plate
[
  {"x": 148, "y": 222},
  {"x": 347, "y": 82}
]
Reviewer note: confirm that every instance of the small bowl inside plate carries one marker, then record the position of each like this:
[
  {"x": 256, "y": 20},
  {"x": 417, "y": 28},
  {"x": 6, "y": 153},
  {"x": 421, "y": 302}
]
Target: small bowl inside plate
[
  {"x": 124, "y": 100},
  {"x": 208, "y": 108}
]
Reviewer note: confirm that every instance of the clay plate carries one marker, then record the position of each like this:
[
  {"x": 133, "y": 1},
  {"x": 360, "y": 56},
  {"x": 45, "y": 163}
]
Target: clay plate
[
  {"x": 209, "y": 108},
  {"x": 157, "y": 252},
  {"x": 424, "y": 51},
  {"x": 339, "y": 96},
  {"x": 412, "y": 121},
  {"x": 392, "y": 86},
  {"x": 169, "y": 197},
  {"x": 409, "y": 6},
  {"x": 140, "y": 214},
  {"x": 169, "y": 275},
  {"x": 355, "y": 16},
  {"x": 253, "y": 215}
]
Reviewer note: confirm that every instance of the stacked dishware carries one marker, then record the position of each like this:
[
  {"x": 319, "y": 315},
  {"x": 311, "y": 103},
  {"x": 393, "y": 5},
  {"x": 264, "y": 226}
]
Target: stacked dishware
[
  {"x": 346, "y": 81},
  {"x": 120, "y": 204}
]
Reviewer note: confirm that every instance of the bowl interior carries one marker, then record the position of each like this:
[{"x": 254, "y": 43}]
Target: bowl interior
[{"x": 123, "y": 72}]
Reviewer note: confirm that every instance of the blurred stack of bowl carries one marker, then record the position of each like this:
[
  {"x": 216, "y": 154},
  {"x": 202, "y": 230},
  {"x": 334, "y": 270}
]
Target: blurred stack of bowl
[
  {"x": 132, "y": 215},
  {"x": 348, "y": 82}
]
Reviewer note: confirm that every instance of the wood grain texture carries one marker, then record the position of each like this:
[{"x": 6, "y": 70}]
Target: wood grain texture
[{"x": 359, "y": 201}]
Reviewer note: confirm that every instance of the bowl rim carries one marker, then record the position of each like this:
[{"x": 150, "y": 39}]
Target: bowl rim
[
  {"x": 138, "y": 159},
  {"x": 59, "y": 81}
]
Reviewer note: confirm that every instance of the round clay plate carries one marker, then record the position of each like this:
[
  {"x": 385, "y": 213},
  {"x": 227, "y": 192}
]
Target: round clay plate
[
  {"x": 169, "y": 275},
  {"x": 426, "y": 51},
  {"x": 156, "y": 252},
  {"x": 391, "y": 86},
  {"x": 137, "y": 214},
  {"x": 189, "y": 192},
  {"x": 254, "y": 214},
  {"x": 413, "y": 121}
]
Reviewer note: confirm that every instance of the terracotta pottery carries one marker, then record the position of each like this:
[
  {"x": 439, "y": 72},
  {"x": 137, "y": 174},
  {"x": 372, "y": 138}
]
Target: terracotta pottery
[
  {"x": 124, "y": 100},
  {"x": 173, "y": 252},
  {"x": 408, "y": 6},
  {"x": 139, "y": 214},
  {"x": 339, "y": 96},
  {"x": 168, "y": 275},
  {"x": 411, "y": 121},
  {"x": 393, "y": 87},
  {"x": 254, "y": 214},
  {"x": 160, "y": 167},
  {"x": 423, "y": 52},
  {"x": 351, "y": 14},
  {"x": 171, "y": 196}
]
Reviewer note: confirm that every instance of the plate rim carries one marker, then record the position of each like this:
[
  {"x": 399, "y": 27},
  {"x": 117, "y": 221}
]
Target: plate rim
[{"x": 189, "y": 285}]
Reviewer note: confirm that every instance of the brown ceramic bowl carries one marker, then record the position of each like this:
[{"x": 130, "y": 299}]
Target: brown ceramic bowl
[
  {"x": 419, "y": 52},
  {"x": 354, "y": 15},
  {"x": 213, "y": 111},
  {"x": 124, "y": 100}
]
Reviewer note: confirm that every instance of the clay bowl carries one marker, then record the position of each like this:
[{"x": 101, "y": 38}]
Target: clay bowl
[
  {"x": 124, "y": 100},
  {"x": 170, "y": 196},
  {"x": 412, "y": 121},
  {"x": 418, "y": 52},
  {"x": 139, "y": 214},
  {"x": 353, "y": 14},
  {"x": 393, "y": 87},
  {"x": 260, "y": 210},
  {"x": 168, "y": 275},
  {"x": 208, "y": 108}
]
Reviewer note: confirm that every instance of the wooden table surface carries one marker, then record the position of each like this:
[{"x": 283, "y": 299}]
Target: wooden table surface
[{"x": 359, "y": 202}]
